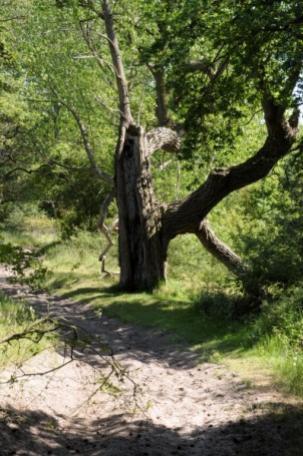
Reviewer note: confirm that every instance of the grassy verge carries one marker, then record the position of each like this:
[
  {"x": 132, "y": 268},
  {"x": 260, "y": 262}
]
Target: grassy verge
[
  {"x": 15, "y": 317},
  {"x": 192, "y": 306}
]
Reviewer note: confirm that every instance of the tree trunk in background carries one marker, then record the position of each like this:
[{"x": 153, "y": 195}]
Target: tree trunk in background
[{"x": 142, "y": 254}]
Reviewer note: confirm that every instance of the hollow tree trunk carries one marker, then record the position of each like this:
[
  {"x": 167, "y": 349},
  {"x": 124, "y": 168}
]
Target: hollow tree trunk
[{"x": 142, "y": 254}]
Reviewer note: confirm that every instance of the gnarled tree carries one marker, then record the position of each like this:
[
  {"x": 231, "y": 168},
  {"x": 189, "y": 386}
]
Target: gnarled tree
[{"x": 146, "y": 226}]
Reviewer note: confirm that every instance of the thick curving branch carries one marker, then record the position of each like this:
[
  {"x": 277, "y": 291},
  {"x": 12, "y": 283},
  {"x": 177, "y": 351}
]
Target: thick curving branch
[
  {"x": 186, "y": 216},
  {"x": 220, "y": 250},
  {"x": 162, "y": 138},
  {"x": 212, "y": 70},
  {"x": 167, "y": 139}
]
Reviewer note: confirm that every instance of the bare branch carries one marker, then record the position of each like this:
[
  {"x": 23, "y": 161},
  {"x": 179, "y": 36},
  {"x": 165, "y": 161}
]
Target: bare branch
[
  {"x": 105, "y": 230},
  {"x": 117, "y": 63},
  {"x": 186, "y": 216},
  {"x": 212, "y": 69},
  {"x": 219, "y": 249},
  {"x": 162, "y": 138},
  {"x": 161, "y": 110},
  {"x": 87, "y": 145},
  {"x": 30, "y": 331},
  {"x": 200, "y": 65},
  {"x": 20, "y": 169},
  {"x": 164, "y": 165},
  {"x": 104, "y": 207},
  {"x": 72, "y": 335},
  {"x": 112, "y": 111},
  {"x": 90, "y": 4},
  {"x": 101, "y": 62}
]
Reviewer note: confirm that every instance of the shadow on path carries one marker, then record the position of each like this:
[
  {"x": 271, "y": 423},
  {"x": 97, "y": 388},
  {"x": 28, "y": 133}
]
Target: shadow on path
[
  {"x": 122, "y": 338},
  {"x": 34, "y": 433}
]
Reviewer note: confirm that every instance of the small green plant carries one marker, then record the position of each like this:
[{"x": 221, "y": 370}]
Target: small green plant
[
  {"x": 282, "y": 316},
  {"x": 108, "y": 387},
  {"x": 15, "y": 317},
  {"x": 27, "y": 268}
]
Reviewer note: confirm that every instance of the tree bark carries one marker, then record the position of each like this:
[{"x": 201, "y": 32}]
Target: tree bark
[
  {"x": 220, "y": 250},
  {"x": 122, "y": 86},
  {"x": 142, "y": 254},
  {"x": 186, "y": 216},
  {"x": 161, "y": 107}
]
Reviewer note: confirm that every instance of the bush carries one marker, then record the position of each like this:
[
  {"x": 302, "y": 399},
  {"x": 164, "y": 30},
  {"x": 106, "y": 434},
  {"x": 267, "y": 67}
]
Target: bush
[
  {"x": 273, "y": 248},
  {"x": 282, "y": 316},
  {"x": 26, "y": 266}
]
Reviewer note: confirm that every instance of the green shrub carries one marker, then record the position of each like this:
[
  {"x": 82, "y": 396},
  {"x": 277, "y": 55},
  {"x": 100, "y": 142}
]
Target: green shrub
[
  {"x": 282, "y": 316},
  {"x": 26, "y": 265}
]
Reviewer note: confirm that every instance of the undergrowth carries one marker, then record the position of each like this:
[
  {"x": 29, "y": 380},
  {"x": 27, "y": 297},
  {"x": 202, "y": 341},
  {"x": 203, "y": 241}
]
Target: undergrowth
[{"x": 15, "y": 317}]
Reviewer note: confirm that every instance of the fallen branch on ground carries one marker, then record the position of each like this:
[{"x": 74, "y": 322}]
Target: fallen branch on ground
[{"x": 73, "y": 336}]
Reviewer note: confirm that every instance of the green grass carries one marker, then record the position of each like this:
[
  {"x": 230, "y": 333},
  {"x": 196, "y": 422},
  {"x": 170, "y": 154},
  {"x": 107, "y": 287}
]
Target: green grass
[
  {"x": 30, "y": 231},
  {"x": 195, "y": 306},
  {"x": 15, "y": 317},
  {"x": 285, "y": 361}
]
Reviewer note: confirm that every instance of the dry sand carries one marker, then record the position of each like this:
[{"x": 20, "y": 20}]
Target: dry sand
[{"x": 181, "y": 407}]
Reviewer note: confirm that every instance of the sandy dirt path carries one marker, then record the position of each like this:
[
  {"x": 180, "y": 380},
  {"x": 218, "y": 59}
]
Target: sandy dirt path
[{"x": 183, "y": 407}]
